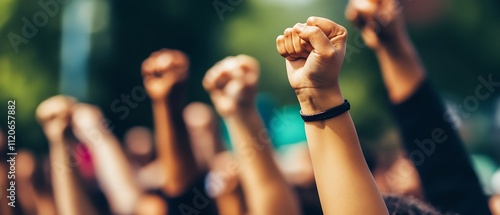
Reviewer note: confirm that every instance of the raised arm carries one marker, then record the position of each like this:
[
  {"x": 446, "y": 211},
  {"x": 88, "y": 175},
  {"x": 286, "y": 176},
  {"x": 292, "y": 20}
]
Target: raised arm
[
  {"x": 54, "y": 116},
  {"x": 383, "y": 30},
  {"x": 113, "y": 170},
  {"x": 222, "y": 183},
  {"x": 232, "y": 85},
  {"x": 344, "y": 181},
  {"x": 163, "y": 72},
  {"x": 203, "y": 128},
  {"x": 448, "y": 180}
]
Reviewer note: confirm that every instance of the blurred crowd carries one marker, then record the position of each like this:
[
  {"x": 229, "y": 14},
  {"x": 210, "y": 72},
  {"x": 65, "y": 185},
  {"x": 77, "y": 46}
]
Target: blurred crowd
[{"x": 263, "y": 159}]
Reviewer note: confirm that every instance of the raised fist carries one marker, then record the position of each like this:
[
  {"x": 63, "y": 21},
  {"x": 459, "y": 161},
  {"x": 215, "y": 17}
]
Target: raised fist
[
  {"x": 54, "y": 114},
  {"x": 320, "y": 69},
  {"x": 162, "y": 70},
  {"x": 87, "y": 122},
  {"x": 232, "y": 84},
  {"x": 380, "y": 21}
]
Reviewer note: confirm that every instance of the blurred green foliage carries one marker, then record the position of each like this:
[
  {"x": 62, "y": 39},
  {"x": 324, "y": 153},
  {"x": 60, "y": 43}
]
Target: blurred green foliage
[{"x": 461, "y": 45}]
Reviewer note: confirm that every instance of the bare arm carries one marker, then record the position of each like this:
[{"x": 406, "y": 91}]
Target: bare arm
[
  {"x": 53, "y": 115},
  {"x": 401, "y": 68},
  {"x": 203, "y": 127},
  {"x": 266, "y": 189},
  {"x": 112, "y": 168},
  {"x": 222, "y": 181},
  {"x": 404, "y": 76},
  {"x": 232, "y": 86},
  {"x": 223, "y": 184},
  {"x": 69, "y": 194},
  {"x": 162, "y": 72},
  {"x": 344, "y": 181}
]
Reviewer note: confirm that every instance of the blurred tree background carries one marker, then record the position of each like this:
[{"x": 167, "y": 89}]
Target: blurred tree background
[{"x": 457, "y": 40}]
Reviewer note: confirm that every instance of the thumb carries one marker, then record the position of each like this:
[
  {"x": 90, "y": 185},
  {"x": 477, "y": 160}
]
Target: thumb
[
  {"x": 330, "y": 28},
  {"x": 336, "y": 33}
]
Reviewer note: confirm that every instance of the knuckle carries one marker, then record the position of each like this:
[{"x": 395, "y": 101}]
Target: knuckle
[
  {"x": 342, "y": 32},
  {"x": 315, "y": 30},
  {"x": 207, "y": 84},
  {"x": 312, "y": 19},
  {"x": 330, "y": 52}
]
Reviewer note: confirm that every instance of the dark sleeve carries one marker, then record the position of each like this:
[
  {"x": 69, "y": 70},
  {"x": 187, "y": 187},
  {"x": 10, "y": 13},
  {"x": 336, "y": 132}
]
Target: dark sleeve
[{"x": 434, "y": 147}]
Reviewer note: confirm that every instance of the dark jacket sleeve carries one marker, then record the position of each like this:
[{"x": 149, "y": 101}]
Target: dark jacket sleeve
[{"x": 435, "y": 148}]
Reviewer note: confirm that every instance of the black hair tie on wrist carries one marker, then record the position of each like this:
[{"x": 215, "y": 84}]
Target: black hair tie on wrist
[{"x": 327, "y": 114}]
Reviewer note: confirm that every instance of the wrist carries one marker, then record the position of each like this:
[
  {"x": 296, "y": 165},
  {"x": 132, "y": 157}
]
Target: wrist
[
  {"x": 314, "y": 100},
  {"x": 170, "y": 102},
  {"x": 241, "y": 112},
  {"x": 56, "y": 138},
  {"x": 399, "y": 45}
]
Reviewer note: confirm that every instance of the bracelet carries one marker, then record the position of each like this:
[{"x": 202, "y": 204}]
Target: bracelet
[{"x": 327, "y": 114}]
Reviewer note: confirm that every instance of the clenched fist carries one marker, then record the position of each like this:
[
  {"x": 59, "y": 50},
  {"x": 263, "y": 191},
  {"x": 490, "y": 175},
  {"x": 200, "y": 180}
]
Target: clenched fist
[
  {"x": 314, "y": 54},
  {"x": 162, "y": 70},
  {"x": 54, "y": 114},
  {"x": 87, "y": 120},
  {"x": 380, "y": 21},
  {"x": 232, "y": 84}
]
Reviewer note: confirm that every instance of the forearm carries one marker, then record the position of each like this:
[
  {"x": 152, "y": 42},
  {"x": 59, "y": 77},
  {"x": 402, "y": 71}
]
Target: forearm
[
  {"x": 401, "y": 68},
  {"x": 174, "y": 151},
  {"x": 115, "y": 174},
  {"x": 438, "y": 154},
  {"x": 265, "y": 188},
  {"x": 336, "y": 156},
  {"x": 437, "y": 164},
  {"x": 230, "y": 203},
  {"x": 45, "y": 204},
  {"x": 151, "y": 176},
  {"x": 69, "y": 196}
]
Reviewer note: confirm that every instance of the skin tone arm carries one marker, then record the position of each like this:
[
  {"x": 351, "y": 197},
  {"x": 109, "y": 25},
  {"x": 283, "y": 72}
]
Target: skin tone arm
[
  {"x": 32, "y": 201},
  {"x": 203, "y": 128},
  {"x": 225, "y": 184},
  {"x": 333, "y": 143},
  {"x": 401, "y": 68},
  {"x": 54, "y": 116},
  {"x": 24, "y": 180},
  {"x": 403, "y": 74},
  {"x": 151, "y": 205},
  {"x": 112, "y": 168},
  {"x": 232, "y": 85},
  {"x": 162, "y": 72},
  {"x": 4, "y": 169}
]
